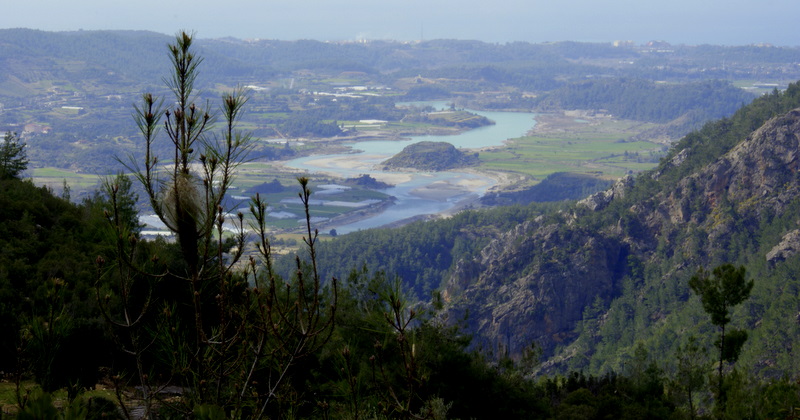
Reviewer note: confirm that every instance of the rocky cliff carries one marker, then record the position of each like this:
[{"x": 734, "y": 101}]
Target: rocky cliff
[
  {"x": 587, "y": 284},
  {"x": 535, "y": 289}
]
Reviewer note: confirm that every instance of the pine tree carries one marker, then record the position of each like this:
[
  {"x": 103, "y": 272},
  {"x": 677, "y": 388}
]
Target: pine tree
[
  {"x": 230, "y": 322},
  {"x": 719, "y": 294},
  {"x": 13, "y": 159}
]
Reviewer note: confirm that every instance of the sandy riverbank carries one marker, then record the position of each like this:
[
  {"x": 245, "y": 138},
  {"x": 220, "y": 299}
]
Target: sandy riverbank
[
  {"x": 459, "y": 192},
  {"x": 335, "y": 165},
  {"x": 446, "y": 190}
]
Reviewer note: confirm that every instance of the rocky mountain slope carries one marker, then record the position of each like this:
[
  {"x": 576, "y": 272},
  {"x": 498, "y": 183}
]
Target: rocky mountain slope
[{"x": 589, "y": 284}]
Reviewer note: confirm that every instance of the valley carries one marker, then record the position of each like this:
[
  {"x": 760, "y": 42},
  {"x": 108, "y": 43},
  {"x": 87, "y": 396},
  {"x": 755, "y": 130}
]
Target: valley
[
  {"x": 398, "y": 230},
  {"x": 511, "y": 157}
]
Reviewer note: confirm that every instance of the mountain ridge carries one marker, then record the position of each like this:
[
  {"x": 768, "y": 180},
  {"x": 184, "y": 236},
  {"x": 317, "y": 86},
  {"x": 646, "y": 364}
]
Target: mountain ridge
[{"x": 565, "y": 282}]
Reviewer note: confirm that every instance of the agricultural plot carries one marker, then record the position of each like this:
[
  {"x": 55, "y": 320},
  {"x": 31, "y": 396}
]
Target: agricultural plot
[
  {"x": 55, "y": 178},
  {"x": 603, "y": 147}
]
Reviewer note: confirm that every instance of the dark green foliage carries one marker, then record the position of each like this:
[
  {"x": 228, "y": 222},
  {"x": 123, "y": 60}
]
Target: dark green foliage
[
  {"x": 468, "y": 381},
  {"x": 427, "y": 93},
  {"x": 445, "y": 374},
  {"x": 689, "y": 378},
  {"x": 121, "y": 191},
  {"x": 734, "y": 341},
  {"x": 209, "y": 412},
  {"x": 556, "y": 187},
  {"x": 367, "y": 181},
  {"x": 39, "y": 406},
  {"x": 609, "y": 396},
  {"x": 716, "y": 138},
  {"x": 13, "y": 158},
  {"x": 398, "y": 369},
  {"x": 271, "y": 187},
  {"x": 421, "y": 253},
  {"x": 430, "y": 156},
  {"x": 224, "y": 333},
  {"x": 300, "y": 125},
  {"x": 720, "y": 293},
  {"x": 99, "y": 408},
  {"x": 750, "y": 398},
  {"x": 648, "y": 101},
  {"x": 47, "y": 249}
]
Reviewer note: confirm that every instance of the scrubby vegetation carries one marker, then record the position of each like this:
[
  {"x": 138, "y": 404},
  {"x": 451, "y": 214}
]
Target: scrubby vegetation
[
  {"x": 197, "y": 328},
  {"x": 430, "y": 156}
]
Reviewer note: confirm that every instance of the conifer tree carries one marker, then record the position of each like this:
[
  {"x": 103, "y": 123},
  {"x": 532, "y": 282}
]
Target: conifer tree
[
  {"x": 719, "y": 294},
  {"x": 232, "y": 331},
  {"x": 13, "y": 159}
]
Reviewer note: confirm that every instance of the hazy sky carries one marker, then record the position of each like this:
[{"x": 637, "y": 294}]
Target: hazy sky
[{"x": 728, "y": 22}]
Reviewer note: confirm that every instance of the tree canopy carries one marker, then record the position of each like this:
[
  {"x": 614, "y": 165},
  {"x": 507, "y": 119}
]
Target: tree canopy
[{"x": 13, "y": 159}]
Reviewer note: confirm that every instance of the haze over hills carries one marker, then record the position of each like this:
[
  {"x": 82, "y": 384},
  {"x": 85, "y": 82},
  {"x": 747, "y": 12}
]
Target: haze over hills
[
  {"x": 676, "y": 21},
  {"x": 513, "y": 301},
  {"x": 77, "y": 86},
  {"x": 592, "y": 281}
]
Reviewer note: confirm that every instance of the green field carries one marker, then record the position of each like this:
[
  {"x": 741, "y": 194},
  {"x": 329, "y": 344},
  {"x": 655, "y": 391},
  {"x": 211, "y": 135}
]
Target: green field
[
  {"x": 600, "y": 147},
  {"x": 54, "y": 178}
]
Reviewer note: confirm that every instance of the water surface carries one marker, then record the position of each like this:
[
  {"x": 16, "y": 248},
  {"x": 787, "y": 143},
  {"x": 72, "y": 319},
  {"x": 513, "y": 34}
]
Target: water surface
[{"x": 425, "y": 192}]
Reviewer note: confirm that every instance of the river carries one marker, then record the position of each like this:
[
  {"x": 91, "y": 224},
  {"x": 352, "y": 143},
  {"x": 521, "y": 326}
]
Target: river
[{"x": 425, "y": 192}]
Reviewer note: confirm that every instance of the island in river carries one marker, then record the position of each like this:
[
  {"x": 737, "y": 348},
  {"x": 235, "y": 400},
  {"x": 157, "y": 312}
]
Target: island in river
[
  {"x": 420, "y": 193},
  {"x": 515, "y": 153},
  {"x": 430, "y": 156}
]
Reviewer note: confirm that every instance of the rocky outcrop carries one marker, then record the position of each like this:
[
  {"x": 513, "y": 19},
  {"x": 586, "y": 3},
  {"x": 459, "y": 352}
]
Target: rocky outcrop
[
  {"x": 598, "y": 200},
  {"x": 757, "y": 177},
  {"x": 533, "y": 283},
  {"x": 532, "y": 286},
  {"x": 602, "y": 199},
  {"x": 788, "y": 247}
]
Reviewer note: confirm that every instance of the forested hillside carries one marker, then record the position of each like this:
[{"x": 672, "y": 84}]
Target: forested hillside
[
  {"x": 602, "y": 308},
  {"x": 621, "y": 260},
  {"x": 47, "y": 296},
  {"x": 648, "y": 101},
  {"x": 590, "y": 283}
]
